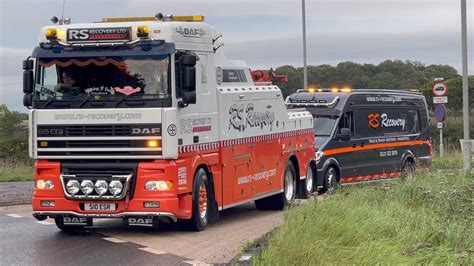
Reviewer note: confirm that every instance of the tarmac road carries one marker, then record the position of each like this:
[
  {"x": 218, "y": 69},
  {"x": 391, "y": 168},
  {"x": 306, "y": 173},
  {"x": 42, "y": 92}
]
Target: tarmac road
[{"x": 25, "y": 241}]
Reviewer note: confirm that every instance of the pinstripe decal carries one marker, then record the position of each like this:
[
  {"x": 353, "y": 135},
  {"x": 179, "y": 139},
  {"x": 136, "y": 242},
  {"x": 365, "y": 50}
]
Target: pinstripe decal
[{"x": 233, "y": 142}]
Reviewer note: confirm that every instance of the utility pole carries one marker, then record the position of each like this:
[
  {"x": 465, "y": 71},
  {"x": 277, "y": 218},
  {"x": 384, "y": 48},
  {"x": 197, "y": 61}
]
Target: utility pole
[
  {"x": 305, "y": 70},
  {"x": 467, "y": 144}
]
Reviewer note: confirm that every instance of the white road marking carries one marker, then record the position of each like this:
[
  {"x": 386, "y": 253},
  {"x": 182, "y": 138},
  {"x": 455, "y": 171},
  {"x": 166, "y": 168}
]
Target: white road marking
[
  {"x": 14, "y": 215},
  {"x": 45, "y": 222},
  {"x": 114, "y": 240},
  {"x": 154, "y": 251},
  {"x": 196, "y": 263}
]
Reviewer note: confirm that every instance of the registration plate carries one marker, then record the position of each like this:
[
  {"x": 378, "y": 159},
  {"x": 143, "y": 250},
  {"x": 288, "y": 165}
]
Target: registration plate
[{"x": 99, "y": 207}]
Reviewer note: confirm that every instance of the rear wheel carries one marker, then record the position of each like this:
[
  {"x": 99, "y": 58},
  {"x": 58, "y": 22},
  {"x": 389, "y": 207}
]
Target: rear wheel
[
  {"x": 200, "y": 216},
  {"x": 307, "y": 187},
  {"x": 280, "y": 201},
  {"x": 408, "y": 170}
]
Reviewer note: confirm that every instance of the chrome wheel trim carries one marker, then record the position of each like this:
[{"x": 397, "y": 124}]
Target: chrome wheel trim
[
  {"x": 289, "y": 185},
  {"x": 331, "y": 178},
  {"x": 203, "y": 199},
  {"x": 309, "y": 180}
]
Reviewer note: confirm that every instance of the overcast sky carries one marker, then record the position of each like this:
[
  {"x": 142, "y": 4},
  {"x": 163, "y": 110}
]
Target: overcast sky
[{"x": 262, "y": 32}]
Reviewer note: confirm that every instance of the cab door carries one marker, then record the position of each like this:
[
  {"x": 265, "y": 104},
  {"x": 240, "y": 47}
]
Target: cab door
[{"x": 344, "y": 151}]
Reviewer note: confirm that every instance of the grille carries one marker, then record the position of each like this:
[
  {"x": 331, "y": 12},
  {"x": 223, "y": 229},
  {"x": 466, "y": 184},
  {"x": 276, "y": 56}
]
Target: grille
[
  {"x": 99, "y": 143},
  {"x": 100, "y": 130}
]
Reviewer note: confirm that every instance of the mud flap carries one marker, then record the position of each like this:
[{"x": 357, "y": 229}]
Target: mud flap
[
  {"x": 76, "y": 221},
  {"x": 147, "y": 221}
]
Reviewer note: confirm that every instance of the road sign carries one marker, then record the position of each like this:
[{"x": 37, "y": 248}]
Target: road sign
[
  {"x": 440, "y": 99},
  {"x": 440, "y": 125},
  {"x": 440, "y": 112},
  {"x": 440, "y": 89}
]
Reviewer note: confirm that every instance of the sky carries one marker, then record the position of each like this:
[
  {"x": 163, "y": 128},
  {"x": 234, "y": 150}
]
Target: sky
[{"x": 264, "y": 33}]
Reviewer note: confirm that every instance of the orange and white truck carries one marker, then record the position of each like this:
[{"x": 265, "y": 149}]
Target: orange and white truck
[{"x": 146, "y": 120}]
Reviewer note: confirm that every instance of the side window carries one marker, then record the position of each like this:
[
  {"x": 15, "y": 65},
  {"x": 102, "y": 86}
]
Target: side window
[{"x": 346, "y": 121}]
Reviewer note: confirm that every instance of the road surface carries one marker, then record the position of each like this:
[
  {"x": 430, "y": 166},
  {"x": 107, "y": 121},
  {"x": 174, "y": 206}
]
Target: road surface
[{"x": 27, "y": 241}]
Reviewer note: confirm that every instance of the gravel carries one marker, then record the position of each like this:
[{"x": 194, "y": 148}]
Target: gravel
[{"x": 14, "y": 193}]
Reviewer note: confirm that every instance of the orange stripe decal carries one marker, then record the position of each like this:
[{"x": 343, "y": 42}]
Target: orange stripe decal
[
  {"x": 373, "y": 146},
  {"x": 370, "y": 177}
]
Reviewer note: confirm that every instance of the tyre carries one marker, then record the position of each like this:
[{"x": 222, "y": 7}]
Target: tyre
[
  {"x": 307, "y": 186},
  {"x": 67, "y": 228},
  {"x": 330, "y": 180},
  {"x": 281, "y": 200},
  {"x": 408, "y": 170},
  {"x": 200, "y": 216}
]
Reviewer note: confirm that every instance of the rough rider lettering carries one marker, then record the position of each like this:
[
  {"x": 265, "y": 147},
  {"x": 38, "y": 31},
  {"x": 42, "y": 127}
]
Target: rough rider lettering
[{"x": 242, "y": 117}]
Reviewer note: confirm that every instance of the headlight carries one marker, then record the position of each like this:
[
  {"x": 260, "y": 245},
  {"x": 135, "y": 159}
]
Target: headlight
[
  {"x": 115, "y": 187},
  {"x": 87, "y": 187},
  {"x": 319, "y": 155},
  {"x": 158, "y": 185},
  {"x": 101, "y": 187},
  {"x": 73, "y": 187},
  {"x": 44, "y": 184}
]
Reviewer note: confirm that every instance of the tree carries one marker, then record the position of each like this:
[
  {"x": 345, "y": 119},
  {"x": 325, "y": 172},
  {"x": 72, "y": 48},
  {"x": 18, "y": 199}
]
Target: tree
[{"x": 9, "y": 122}]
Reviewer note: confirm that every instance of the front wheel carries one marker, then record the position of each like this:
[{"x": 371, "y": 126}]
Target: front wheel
[
  {"x": 59, "y": 221},
  {"x": 330, "y": 180},
  {"x": 200, "y": 216}
]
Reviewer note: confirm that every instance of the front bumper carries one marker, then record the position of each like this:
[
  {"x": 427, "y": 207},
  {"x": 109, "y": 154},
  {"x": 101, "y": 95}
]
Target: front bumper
[{"x": 168, "y": 208}]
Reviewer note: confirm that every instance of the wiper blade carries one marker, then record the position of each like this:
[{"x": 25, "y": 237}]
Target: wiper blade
[
  {"x": 48, "y": 102},
  {"x": 83, "y": 102}
]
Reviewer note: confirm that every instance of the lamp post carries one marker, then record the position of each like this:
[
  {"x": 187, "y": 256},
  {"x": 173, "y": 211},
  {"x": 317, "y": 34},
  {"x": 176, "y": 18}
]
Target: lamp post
[
  {"x": 466, "y": 143},
  {"x": 305, "y": 70}
]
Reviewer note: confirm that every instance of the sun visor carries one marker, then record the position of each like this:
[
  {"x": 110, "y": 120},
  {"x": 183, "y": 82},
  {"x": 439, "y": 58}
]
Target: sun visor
[{"x": 152, "y": 49}]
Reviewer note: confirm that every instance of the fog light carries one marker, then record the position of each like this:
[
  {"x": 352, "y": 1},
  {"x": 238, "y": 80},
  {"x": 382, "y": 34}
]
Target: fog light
[
  {"x": 48, "y": 203},
  {"x": 152, "y": 204},
  {"x": 44, "y": 184},
  {"x": 73, "y": 187},
  {"x": 152, "y": 143},
  {"x": 87, "y": 187},
  {"x": 115, "y": 187},
  {"x": 101, "y": 187},
  {"x": 158, "y": 185}
]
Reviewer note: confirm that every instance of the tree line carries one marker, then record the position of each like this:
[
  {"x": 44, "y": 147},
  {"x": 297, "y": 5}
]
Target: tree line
[{"x": 390, "y": 74}]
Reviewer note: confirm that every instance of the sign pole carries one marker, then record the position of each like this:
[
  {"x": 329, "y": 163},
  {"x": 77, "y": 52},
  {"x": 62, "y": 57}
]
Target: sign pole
[
  {"x": 467, "y": 144},
  {"x": 441, "y": 144}
]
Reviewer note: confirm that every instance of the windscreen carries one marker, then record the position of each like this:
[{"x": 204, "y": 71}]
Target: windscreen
[
  {"x": 101, "y": 78},
  {"x": 323, "y": 125}
]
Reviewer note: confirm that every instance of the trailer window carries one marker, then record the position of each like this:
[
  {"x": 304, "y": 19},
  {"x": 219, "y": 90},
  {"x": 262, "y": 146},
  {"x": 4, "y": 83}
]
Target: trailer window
[{"x": 386, "y": 122}]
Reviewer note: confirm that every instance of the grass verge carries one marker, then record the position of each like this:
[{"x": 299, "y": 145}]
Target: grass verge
[
  {"x": 15, "y": 172},
  {"x": 427, "y": 221}
]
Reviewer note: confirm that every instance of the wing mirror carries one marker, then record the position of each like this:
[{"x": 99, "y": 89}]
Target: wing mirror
[
  {"x": 28, "y": 79},
  {"x": 344, "y": 134}
]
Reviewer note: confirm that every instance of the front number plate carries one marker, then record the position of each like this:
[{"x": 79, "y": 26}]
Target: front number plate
[{"x": 99, "y": 207}]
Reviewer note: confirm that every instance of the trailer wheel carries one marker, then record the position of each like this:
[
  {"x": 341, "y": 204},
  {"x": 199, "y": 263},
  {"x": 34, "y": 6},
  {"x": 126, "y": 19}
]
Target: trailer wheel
[
  {"x": 330, "y": 180},
  {"x": 408, "y": 171},
  {"x": 281, "y": 200},
  {"x": 307, "y": 186},
  {"x": 200, "y": 216},
  {"x": 59, "y": 221}
]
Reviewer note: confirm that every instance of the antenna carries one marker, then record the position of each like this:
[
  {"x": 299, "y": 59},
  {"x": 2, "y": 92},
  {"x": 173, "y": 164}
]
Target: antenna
[{"x": 62, "y": 12}]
